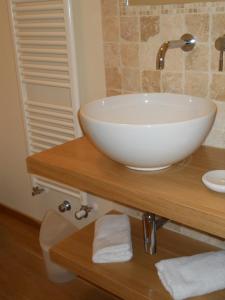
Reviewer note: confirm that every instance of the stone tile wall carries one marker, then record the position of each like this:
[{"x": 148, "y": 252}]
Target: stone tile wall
[{"x": 133, "y": 35}]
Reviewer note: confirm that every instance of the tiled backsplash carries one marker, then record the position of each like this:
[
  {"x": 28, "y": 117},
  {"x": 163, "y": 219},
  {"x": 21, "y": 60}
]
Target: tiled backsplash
[{"x": 132, "y": 36}]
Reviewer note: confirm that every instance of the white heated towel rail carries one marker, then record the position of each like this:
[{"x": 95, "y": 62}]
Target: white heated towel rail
[{"x": 47, "y": 72}]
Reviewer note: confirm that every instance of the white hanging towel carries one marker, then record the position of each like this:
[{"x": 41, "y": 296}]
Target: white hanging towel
[
  {"x": 192, "y": 276},
  {"x": 112, "y": 240}
]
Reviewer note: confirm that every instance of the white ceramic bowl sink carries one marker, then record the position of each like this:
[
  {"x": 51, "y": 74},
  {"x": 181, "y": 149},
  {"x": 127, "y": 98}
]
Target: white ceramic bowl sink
[{"x": 148, "y": 131}]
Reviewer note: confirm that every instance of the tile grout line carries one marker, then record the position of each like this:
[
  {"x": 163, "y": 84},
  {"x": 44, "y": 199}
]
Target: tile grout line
[{"x": 210, "y": 56}]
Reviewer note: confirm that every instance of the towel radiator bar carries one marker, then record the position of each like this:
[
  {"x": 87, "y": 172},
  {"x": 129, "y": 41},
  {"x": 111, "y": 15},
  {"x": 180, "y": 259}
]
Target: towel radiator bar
[
  {"x": 49, "y": 184},
  {"x": 46, "y": 65}
]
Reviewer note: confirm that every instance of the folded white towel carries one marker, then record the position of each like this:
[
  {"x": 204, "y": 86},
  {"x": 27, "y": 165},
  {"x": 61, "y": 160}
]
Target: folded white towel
[
  {"x": 195, "y": 275},
  {"x": 112, "y": 240}
]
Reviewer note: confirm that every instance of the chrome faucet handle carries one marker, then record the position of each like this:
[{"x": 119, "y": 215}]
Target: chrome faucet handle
[{"x": 220, "y": 46}]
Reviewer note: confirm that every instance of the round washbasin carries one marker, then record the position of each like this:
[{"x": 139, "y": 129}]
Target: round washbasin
[{"x": 148, "y": 131}]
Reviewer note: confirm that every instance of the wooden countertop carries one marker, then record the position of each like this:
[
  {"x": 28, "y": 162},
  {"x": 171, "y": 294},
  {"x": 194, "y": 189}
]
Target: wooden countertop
[
  {"x": 176, "y": 193},
  {"x": 136, "y": 279}
]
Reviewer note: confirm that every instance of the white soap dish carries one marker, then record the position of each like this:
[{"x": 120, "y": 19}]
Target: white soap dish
[{"x": 215, "y": 180}]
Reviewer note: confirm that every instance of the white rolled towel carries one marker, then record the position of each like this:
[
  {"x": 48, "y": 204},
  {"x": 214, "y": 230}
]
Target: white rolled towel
[
  {"x": 112, "y": 240},
  {"x": 192, "y": 276}
]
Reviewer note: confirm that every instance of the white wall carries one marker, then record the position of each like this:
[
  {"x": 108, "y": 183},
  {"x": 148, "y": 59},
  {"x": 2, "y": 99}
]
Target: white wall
[
  {"x": 89, "y": 45},
  {"x": 15, "y": 185},
  {"x": 14, "y": 181}
]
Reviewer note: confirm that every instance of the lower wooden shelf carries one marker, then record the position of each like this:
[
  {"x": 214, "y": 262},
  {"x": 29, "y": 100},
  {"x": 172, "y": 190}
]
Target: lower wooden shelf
[{"x": 134, "y": 280}]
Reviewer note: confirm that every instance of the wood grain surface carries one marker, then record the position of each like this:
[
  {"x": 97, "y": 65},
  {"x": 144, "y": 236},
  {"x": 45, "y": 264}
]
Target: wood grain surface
[
  {"x": 23, "y": 275},
  {"x": 176, "y": 193},
  {"x": 132, "y": 280}
]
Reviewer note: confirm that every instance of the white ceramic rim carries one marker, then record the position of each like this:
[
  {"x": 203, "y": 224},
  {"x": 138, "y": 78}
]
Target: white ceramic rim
[
  {"x": 212, "y": 185},
  {"x": 95, "y": 120}
]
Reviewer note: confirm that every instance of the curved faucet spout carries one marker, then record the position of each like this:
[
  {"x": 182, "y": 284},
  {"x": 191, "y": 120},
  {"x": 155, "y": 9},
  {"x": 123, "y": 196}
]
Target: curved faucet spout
[
  {"x": 186, "y": 43},
  {"x": 160, "y": 59}
]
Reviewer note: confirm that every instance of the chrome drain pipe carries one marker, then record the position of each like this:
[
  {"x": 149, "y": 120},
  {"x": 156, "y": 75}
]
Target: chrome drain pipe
[{"x": 151, "y": 223}]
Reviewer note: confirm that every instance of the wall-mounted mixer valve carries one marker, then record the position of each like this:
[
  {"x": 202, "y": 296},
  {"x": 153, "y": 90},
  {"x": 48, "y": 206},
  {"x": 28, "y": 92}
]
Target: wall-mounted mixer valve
[{"x": 220, "y": 46}]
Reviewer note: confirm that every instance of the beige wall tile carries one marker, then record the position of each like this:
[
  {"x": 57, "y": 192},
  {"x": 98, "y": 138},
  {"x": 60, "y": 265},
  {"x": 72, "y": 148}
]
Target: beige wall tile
[
  {"x": 110, "y": 28},
  {"x": 215, "y": 56},
  {"x": 219, "y": 123},
  {"x": 172, "y": 82},
  {"x": 129, "y": 29},
  {"x": 196, "y": 84},
  {"x": 131, "y": 79},
  {"x": 216, "y": 137},
  {"x": 110, "y": 7},
  {"x": 218, "y": 25},
  {"x": 218, "y": 87},
  {"x": 148, "y": 53},
  {"x": 174, "y": 60},
  {"x": 130, "y": 55},
  {"x": 110, "y": 92},
  {"x": 112, "y": 54},
  {"x": 149, "y": 27},
  {"x": 113, "y": 78},
  {"x": 171, "y": 27},
  {"x": 198, "y": 25},
  {"x": 150, "y": 81},
  {"x": 198, "y": 58},
  {"x": 130, "y": 92}
]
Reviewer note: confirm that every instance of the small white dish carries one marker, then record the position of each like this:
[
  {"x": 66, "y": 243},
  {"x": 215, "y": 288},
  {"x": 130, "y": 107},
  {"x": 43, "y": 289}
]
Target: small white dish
[{"x": 215, "y": 180}]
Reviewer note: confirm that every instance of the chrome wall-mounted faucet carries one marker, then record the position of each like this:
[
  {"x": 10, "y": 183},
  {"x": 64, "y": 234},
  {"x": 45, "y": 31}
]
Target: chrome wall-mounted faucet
[
  {"x": 186, "y": 43},
  {"x": 220, "y": 46}
]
